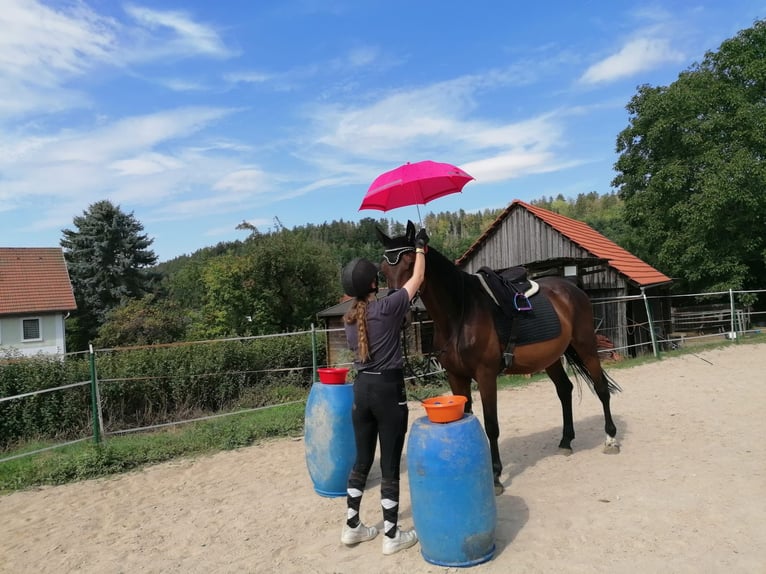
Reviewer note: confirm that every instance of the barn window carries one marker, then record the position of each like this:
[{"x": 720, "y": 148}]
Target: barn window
[{"x": 30, "y": 329}]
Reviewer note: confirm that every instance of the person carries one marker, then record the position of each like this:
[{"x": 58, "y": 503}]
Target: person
[{"x": 380, "y": 411}]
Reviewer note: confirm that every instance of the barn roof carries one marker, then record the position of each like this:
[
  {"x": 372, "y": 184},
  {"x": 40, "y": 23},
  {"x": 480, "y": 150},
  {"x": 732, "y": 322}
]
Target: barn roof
[
  {"x": 34, "y": 280},
  {"x": 584, "y": 236}
]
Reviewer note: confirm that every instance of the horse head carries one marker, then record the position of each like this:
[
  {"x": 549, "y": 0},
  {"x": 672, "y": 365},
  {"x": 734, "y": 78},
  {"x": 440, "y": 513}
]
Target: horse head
[{"x": 398, "y": 257}]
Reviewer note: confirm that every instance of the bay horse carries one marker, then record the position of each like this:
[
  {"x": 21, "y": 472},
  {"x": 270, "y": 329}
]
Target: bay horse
[{"x": 468, "y": 346}]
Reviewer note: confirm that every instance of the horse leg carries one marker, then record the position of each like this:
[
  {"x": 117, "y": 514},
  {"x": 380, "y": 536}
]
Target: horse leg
[
  {"x": 488, "y": 390},
  {"x": 461, "y": 386},
  {"x": 601, "y": 386},
  {"x": 564, "y": 388}
]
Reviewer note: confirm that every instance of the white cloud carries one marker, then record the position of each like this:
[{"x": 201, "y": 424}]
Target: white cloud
[
  {"x": 250, "y": 77},
  {"x": 140, "y": 160},
  {"x": 145, "y": 164},
  {"x": 39, "y": 44},
  {"x": 128, "y": 136},
  {"x": 516, "y": 164},
  {"x": 41, "y": 48},
  {"x": 359, "y": 57},
  {"x": 243, "y": 180},
  {"x": 179, "y": 33},
  {"x": 183, "y": 85},
  {"x": 434, "y": 122},
  {"x": 396, "y": 122},
  {"x": 638, "y": 55}
]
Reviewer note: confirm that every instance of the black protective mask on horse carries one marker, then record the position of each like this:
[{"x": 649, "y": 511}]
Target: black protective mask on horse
[{"x": 392, "y": 256}]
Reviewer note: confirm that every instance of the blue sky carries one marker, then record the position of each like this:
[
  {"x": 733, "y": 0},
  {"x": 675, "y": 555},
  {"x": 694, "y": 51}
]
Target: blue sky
[{"x": 195, "y": 115}]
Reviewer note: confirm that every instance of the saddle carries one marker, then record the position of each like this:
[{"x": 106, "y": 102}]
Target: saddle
[{"x": 511, "y": 291}]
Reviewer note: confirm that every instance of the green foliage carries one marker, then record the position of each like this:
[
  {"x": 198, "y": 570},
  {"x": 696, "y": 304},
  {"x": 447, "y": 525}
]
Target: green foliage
[
  {"x": 145, "y": 386},
  {"x": 454, "y": 233},
  {"x": 604, "y": 213},
  {"x": 692, "y": 172},
  {"x": 107, "y": 257},
  {"x": 62, "y": 414},
  {"x": 145, "y": 321},
  {"x": 161, "y": 384}
]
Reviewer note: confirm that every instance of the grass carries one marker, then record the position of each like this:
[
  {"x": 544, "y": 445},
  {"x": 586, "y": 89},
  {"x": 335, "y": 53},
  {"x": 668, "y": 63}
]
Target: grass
[{"x": 122, "y": 453}]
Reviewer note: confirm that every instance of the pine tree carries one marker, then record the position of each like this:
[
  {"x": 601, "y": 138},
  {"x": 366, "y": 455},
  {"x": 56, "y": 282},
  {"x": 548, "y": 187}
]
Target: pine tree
[{"x": 107, "y": 256}]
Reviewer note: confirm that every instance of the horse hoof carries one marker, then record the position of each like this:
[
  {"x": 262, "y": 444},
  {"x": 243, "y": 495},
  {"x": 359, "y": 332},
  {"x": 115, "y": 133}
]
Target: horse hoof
[
  {"x": 565, "y": 451},
  {"x": 611, "y": 449},
  {"x": 499, "y": 489}
]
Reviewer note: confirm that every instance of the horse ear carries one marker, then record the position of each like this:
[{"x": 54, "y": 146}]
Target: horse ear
[
  {"x": 382, "y": 237},
  {"x": 410, "y": 231}
]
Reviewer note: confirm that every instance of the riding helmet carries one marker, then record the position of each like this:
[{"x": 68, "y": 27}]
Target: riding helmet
[{"x": 357, "y": 277}]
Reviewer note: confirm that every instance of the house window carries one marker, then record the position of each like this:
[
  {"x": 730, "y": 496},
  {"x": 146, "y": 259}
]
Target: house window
[{"x": 30, "y": 330}]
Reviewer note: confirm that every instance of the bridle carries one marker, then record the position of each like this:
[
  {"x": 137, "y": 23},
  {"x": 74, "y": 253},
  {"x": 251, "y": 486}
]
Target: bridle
[{"x": 396, "y": 254}]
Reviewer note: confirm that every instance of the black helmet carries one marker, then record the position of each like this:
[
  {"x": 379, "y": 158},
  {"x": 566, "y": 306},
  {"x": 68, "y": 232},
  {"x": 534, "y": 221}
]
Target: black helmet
[{"x": 357, "y": 277}]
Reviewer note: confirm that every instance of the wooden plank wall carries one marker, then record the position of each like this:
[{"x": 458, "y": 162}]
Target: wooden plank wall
[{"x": 522, "y": 239}]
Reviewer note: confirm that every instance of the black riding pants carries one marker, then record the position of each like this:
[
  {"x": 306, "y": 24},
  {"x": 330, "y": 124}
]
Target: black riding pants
[{"x": 379, "y": 411}]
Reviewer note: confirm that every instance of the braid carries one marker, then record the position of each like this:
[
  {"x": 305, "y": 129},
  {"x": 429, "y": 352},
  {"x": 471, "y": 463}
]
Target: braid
[{"x": 358, "y": 314}]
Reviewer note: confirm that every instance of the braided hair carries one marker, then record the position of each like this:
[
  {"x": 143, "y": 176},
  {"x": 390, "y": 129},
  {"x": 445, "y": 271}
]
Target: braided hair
[{"x": 357, "y": 313}]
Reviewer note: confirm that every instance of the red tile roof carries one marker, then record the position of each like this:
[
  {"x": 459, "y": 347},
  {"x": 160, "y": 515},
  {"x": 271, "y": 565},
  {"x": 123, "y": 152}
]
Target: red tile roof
[
  {"x": 34, "y": 280},
  {"x": 587, "y": 238}
]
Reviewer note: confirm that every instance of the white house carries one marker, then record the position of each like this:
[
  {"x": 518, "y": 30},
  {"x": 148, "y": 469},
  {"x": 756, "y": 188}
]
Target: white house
[{"x": 35, "y": 298}]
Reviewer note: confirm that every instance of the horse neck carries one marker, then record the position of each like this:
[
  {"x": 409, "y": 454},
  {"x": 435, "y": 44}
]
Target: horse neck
[{"x": 443, "y": 291}]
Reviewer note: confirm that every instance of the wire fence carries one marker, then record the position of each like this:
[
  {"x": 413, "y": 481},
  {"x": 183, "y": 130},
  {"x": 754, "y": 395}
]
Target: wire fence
[
  {"x": 689, "y": 319},
  {"x": 693, "y": 318}
]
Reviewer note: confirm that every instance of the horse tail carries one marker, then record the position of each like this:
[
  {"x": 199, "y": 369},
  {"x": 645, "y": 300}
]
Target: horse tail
[{"x": 580, "y": 370}]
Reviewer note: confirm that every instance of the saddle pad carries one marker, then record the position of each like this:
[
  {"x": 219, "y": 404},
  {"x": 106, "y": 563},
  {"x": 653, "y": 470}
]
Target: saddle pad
[{"x": 539, "y": 324}]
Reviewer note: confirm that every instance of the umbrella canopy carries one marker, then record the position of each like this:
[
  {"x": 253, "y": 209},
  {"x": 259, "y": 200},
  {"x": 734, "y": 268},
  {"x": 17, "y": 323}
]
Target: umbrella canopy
[{"x": 413, "y": 184}]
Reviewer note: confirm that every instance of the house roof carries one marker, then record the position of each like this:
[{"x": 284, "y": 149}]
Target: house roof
[
  {"x": 34, "y": 280},
  {"x": 584, "y": 236}
]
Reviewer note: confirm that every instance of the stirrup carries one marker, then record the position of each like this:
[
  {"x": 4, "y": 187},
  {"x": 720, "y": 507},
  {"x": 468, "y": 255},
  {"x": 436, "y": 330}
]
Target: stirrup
[{"x": 525, "y": 305}]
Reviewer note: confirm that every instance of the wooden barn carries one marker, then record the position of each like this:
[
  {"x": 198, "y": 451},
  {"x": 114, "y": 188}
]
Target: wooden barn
[{"x": 548, "y": 243}]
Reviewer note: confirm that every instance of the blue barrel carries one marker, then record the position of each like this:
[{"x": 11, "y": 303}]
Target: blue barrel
[
  {"x": 451, "y": 491},
  {"x": 329, "y": 437}
]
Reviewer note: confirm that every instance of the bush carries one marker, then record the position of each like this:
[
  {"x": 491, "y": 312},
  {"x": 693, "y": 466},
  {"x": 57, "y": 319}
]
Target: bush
[
  {"x": 142, "y": 386},
  {"x": 61, "y": 414}
]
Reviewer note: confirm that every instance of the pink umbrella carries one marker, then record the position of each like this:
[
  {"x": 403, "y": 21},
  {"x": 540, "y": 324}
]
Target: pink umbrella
[{"x": 414, "y": 184}]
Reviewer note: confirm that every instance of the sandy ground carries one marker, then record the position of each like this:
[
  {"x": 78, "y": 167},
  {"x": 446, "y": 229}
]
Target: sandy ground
[{"x": 686, "y": 494}]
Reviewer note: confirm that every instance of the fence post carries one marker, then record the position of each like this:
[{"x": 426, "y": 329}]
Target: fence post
[
  {"x": 733, "y": 330},
  {"x": 94, "y": 397},
  {"x": 313, "y": 353},
  {"x": 651, "y": 325}
]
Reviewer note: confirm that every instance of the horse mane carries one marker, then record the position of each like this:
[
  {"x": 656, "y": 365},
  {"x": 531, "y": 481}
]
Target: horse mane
[
  {"x": 449, "y": 274},
  {"x": 437, "y": 264}
]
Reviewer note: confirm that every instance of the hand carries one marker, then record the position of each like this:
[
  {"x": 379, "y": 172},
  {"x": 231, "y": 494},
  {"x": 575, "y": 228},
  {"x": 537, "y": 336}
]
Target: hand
[{"x": 421, "y": 239}]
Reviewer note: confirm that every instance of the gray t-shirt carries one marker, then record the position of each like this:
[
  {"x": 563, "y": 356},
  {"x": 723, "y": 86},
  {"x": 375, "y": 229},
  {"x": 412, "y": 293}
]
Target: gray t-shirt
[{"x": 384, "y": 322}]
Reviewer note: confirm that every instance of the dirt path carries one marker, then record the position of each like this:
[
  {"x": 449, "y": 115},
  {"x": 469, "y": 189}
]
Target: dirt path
[{"x": 686, "y": 494}]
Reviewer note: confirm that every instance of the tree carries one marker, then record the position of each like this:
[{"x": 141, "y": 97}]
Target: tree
[
  {"x": 292, "y": 280},
  {"x": 145, "y": 321},
  {"x": 277, "y": 284},
  {"x": 226, "y": 287},
  {"x": 692, "y": 173},
  {"x": 107, "y": 256}
]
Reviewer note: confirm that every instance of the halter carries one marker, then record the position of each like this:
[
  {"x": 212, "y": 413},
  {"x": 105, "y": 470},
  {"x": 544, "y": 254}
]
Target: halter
[{"x": 397, "y": 253}]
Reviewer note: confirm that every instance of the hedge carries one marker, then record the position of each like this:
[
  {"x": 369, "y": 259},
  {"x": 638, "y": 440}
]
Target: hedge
[{"x": 150, "y": 385}]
